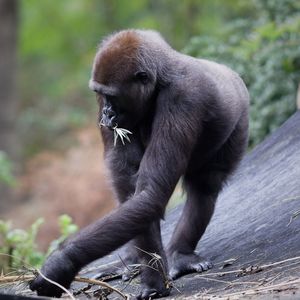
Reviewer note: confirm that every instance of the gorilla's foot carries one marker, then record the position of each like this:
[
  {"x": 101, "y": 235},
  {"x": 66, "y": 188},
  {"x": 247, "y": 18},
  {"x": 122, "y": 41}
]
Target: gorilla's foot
[
  {"x": 148, "y": 292},
  {"x": 182, "y": 264},
  {"x": 155, "y": 281}
]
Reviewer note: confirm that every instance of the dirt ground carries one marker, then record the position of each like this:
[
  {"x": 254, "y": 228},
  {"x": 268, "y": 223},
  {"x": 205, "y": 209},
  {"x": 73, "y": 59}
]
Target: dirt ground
[{"x": 56, "y": 183}]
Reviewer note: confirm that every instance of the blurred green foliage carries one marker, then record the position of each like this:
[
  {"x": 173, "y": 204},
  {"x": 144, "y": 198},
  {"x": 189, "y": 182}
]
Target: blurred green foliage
[
  {"x": 265, "y": 51},
  {"x": 56, "y": 49},
  {"x": 6, "y": 175},
  {"x": 18, "y": 247},
  {"x": 58, "y": 40},
  {"x": 66, "y": 228}
]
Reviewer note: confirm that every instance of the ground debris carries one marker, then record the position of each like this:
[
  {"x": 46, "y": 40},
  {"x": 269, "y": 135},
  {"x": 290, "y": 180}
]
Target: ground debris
[{"x": 250, "y": 270}]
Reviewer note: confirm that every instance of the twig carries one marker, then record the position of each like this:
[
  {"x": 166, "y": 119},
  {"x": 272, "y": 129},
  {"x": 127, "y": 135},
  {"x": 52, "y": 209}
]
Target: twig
[
  {"x": 291, "y": 198},
  {"x": 288, "y": 267},
  {"x": 240, "y": 270},
  {"x": 294, "y": 216},
  {"x": 11, "y": 279},
  {"x": 156, "y": 259},
  {"x": 257, "y": 290},
  {"x": 229, "y": 282},
  {"x": 57, "y": 284},
  {"x": 101, "y": 283},
  {"x": 90, "y": 269}
]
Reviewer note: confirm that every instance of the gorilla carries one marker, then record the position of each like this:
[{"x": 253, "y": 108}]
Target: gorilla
[{"x": 163, "y": 116}]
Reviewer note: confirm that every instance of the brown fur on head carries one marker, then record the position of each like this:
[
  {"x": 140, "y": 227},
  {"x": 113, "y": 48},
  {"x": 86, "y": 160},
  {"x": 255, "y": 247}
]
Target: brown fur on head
[
  {"x": 124, "y": 77},
  {"x": 117, "y": 53}
]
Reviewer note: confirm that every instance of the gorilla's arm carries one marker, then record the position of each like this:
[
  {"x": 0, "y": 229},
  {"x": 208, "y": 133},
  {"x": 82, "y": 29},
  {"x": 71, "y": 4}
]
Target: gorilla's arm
[{"x": 163, "y": 163}]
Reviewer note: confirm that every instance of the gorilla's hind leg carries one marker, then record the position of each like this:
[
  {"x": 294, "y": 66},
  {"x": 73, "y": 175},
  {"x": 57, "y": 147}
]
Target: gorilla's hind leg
[
  {"x": 202, "y": 189},
  {"x": 196, "y": 215}
]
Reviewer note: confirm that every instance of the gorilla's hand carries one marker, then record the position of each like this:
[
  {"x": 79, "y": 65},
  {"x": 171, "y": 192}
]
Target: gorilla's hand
[{"x": 59, "y": 268}]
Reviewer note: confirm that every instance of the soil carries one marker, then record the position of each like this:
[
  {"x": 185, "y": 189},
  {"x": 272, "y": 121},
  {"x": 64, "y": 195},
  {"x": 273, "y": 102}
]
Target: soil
[{"x": 56, "y": 183}]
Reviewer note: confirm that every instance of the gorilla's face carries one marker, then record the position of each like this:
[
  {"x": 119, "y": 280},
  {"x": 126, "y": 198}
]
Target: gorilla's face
[{"x": 124, "y": 103}]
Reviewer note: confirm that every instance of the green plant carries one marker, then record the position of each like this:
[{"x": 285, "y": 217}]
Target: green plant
[
  {"x": 6, "y": 169},
  {"x": 66, "y": 227},
  {"x": 265, "y": 52},
  {"x": 18, "y": 247}
]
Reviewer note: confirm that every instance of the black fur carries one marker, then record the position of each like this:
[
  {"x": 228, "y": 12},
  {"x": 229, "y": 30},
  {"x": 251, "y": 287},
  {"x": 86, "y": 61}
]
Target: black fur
[{"x": 188, "y": 118}]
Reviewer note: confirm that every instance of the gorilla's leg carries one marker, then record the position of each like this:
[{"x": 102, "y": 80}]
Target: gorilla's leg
[
  {"x": 196, "y": 215},
  {"x": 203, "y": 187},
  {"x": 145, "y": 255},
  {"x": 154, "y": 267}
]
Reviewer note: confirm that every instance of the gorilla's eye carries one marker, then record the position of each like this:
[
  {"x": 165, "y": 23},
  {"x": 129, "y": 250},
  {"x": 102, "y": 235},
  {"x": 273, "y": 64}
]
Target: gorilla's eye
[
  {"x": 142, "y": 77},
  {"x": 111, "y": 99}
]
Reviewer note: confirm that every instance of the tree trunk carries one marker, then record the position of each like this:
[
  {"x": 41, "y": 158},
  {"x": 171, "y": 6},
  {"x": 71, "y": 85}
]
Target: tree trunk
[{"x": 8, "y": 97}]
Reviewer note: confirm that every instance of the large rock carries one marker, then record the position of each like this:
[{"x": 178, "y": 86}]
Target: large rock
[
  {"x": 253, "y": 239},
  {"x": 255, "y": 223}
]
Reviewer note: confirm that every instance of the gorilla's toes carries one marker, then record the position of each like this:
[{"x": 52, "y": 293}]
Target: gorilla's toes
[
  {"x": 182, "y": 264},
  {"x": 151, "y": 293}
]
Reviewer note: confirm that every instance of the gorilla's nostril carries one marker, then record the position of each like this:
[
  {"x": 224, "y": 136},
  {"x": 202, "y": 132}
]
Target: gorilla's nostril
[{"x": 111, "y": 115}]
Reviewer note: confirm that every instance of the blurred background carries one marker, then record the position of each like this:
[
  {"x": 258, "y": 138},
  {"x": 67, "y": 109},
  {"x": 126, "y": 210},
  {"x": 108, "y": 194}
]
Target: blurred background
[{"x": 50, "y": 147}]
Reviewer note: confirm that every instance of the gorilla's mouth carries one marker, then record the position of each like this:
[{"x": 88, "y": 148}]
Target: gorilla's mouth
[
  {"x": 119, "y": 132},
  {"x": 108, "y": 122}
]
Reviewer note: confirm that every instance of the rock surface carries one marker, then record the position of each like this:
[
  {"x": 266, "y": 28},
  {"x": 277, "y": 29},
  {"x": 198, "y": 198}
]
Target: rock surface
[
  {"x": 253, "y": 239},
  {"x": 255, "y": 224}
]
